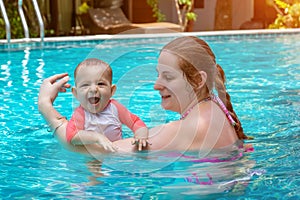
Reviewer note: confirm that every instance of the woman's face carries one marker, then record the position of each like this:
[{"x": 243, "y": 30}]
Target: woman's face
[{"x": 176, "y": 93}]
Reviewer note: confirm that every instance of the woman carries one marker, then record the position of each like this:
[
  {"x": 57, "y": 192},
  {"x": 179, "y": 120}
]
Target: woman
[{"x": 187, "y": 76}]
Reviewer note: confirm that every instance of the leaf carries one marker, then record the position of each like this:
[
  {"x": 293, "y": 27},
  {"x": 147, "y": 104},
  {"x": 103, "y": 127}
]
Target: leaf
[
  {"x": 282, "y": 4},
  {"x": 191, "y": 16}
]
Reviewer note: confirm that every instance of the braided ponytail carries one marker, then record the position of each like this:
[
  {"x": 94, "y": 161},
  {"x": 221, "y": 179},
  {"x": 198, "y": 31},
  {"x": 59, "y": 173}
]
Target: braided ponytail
[{"x": 225, "y": 97}]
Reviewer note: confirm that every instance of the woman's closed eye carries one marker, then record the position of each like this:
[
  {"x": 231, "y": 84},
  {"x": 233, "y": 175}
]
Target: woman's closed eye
[{"x": 168, "y": 77}]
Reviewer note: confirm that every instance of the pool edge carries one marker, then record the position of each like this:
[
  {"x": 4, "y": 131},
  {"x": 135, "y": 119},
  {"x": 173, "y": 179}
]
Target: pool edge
[{"x": 36, "y": 42}]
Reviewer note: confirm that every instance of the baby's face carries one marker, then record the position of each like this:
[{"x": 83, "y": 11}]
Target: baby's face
[{"x": 93, "y": 88}]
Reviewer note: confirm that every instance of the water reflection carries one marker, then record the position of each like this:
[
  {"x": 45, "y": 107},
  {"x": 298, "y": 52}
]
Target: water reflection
[
  {"x": 25, "y": 71},
  {"x": 5, "y": 72},
  {"x": 173, "y": 174},
  {"x": 40, "y": 72}
]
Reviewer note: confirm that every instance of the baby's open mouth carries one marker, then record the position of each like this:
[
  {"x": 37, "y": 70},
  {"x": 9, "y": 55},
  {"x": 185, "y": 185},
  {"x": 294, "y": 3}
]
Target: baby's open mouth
[{"x": 94, "y": 100}]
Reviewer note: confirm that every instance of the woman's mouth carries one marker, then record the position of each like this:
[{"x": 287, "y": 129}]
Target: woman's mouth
[
  {"x": 94, "y": 100},
  {"x": 165, "y": 96}
]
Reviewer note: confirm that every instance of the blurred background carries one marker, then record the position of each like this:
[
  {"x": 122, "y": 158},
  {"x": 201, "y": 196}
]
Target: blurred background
[{"x": 68, "y": 17}]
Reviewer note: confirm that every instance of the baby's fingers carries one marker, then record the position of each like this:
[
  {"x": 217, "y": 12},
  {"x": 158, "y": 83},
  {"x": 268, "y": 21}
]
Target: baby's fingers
[
  {"x": 109, "y": 148},
  {"x": 142, "y": 143}
]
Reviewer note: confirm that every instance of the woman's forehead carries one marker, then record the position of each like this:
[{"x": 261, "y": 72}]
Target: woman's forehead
[
  {"x": 167, "y": 69},
  {"x": 166, "y": 57},
  {"x": 167, "y": 62}
]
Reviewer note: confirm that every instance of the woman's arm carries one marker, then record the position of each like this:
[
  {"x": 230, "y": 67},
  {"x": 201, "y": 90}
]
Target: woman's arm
[{"x": 161, "y": 138}]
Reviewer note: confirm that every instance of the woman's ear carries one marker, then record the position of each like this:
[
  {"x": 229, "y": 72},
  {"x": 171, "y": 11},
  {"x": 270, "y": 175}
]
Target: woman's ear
[
  {"x": 74, "y": 92},
  {"x": 113, "y": 89},
  {"x": 203, "y": 79}
]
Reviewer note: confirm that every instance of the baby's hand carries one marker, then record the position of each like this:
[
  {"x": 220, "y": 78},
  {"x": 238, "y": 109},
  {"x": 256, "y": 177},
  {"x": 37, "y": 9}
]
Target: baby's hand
[
  {"x": 105, "y": 143},
  {"x": 141, "y": 138}
]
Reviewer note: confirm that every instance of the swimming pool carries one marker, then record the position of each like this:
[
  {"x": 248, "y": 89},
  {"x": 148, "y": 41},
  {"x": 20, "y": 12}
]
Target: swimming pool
[{"x": 263, "y": 78}]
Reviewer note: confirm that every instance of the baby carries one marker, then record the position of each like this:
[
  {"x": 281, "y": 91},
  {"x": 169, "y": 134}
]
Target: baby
[{"x": 98, "y": 113}]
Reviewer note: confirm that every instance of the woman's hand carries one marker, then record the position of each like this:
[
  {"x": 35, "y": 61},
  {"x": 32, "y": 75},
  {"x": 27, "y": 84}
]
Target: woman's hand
[{"x": 51, "y": 86}]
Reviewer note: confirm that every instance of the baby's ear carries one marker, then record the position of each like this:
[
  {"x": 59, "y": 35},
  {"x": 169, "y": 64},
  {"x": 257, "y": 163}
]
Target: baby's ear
[
  {"x": 113, "y": 89},
  {"x": 74, "y": 92}
]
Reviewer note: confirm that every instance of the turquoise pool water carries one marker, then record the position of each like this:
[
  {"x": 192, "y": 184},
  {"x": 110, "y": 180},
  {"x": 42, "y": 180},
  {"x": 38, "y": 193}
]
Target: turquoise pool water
[{"x": 263, "y": 78}]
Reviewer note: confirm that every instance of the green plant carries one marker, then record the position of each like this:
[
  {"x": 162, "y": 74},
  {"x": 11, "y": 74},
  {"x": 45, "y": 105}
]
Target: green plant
[
  {"x": 83, "y": 8},
  {"x": 156, "y": 11},
  {"x": 14, "y": 20},
  {"x": 288, "y": 13},
  {"x": 16, "y": 26},
  {"x": 2, "y": 30},
  {"x": 184, "y": 11}
]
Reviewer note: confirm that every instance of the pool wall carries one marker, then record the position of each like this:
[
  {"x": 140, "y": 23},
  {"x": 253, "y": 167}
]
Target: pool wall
[{"x": 50, "y": 42}]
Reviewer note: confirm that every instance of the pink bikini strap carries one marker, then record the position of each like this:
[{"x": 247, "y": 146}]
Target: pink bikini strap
[{"x": 218, "y": 101}]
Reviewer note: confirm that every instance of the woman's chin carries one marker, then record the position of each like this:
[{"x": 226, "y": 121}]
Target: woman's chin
[
  {"x": 169, "y": 104},
  {"x": 166, "y": 106}
]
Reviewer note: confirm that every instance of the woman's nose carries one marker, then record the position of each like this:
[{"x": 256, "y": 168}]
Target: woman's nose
[{"x": 158, "y": 86}]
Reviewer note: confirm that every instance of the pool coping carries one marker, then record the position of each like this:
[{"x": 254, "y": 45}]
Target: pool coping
[{"x": 19, "y": 44}]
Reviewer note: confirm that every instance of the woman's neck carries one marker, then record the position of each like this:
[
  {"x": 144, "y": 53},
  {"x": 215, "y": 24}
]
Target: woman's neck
[{"x": 186, "y": 112}]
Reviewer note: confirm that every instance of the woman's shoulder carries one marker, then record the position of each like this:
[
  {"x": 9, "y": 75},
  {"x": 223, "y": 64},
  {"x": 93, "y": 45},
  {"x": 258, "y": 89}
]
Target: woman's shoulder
[{"x": 167, "y": 127}]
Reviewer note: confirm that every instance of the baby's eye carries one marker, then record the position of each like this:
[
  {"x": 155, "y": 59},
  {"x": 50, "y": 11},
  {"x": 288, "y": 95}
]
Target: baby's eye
[
  {"x": 101, "y": 84},
  {"x": 84, "y": 85}
]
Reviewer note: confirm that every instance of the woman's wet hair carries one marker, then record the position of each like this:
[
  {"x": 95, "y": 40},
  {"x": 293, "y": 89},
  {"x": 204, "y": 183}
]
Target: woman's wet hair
[{"x": 195, "y": 55}]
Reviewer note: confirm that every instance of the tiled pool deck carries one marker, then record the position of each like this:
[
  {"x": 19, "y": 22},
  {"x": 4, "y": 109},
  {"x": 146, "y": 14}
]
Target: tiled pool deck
[{"x": 51, "y": 42}]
